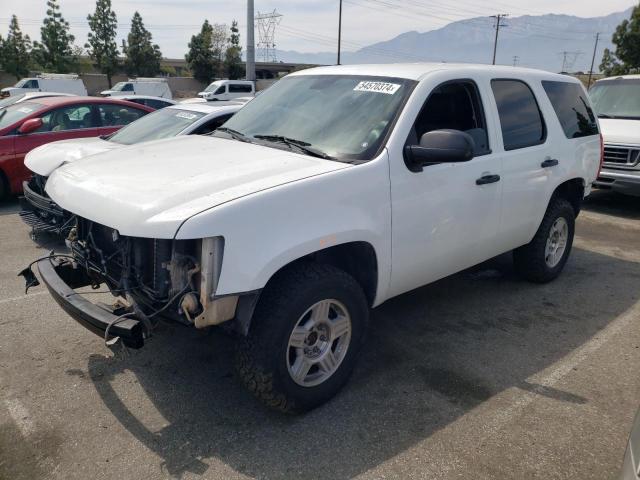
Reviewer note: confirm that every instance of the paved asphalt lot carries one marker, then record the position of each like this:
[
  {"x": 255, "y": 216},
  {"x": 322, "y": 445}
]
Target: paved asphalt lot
[{"x": 479, "y": 376}]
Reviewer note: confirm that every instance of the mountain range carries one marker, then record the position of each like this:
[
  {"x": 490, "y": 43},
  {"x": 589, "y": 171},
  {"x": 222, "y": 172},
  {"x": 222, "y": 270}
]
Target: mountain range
[{"x": 550, "y": 42}]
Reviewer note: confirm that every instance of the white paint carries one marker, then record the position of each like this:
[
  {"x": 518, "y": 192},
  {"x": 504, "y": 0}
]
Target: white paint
[
  {"x": 273, "y": 206},
  {"x": 20, "y": 416},
  {"x": 44, "y": 159}
]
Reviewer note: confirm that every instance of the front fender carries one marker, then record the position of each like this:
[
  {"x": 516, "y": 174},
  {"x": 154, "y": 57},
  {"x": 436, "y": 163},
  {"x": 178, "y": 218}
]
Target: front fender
[{"x": 268, "y": 230}]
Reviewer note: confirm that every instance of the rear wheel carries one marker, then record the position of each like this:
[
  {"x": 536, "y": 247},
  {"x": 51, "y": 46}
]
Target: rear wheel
[
  {"x": 305, "y": 337},
  {"x": 544, "y": 257}
]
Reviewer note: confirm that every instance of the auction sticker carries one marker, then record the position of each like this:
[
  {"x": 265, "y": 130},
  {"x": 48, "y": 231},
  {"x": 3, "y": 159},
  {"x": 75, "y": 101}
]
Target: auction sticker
[{"x": 377, "y": 87}]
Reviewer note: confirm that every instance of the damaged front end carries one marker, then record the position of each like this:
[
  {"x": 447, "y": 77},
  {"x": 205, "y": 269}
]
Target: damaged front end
[{"x": 150, "y": 278}]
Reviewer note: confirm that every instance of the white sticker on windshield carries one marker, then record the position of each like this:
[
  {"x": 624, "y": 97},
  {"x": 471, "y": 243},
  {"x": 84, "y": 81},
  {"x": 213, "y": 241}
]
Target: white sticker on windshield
[
  {"x": 25, "y": 110},
  {"x": 188, "y": 116},
  {"x": 377, "y": 87}
]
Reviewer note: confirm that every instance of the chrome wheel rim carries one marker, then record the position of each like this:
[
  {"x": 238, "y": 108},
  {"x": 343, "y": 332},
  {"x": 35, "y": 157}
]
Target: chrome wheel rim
[
  {"x": 556, "y": 242},
  {"x": 318, "y": 343}
]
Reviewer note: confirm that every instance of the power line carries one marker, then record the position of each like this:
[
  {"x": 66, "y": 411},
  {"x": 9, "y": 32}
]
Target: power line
[
  {"x": 569, "y": 59},
  {"x": 267, "y": 23},
  {"x": 498, "y": 18}
]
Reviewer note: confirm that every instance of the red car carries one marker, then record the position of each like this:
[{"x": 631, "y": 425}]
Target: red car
[{"x": 27, "y": 125}]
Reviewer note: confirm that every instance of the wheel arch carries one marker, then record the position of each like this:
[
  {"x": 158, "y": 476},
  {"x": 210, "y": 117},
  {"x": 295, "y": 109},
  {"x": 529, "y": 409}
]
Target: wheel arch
[
  {"x": 357, "y": 258},
  {"x": 571, "y": 190}
]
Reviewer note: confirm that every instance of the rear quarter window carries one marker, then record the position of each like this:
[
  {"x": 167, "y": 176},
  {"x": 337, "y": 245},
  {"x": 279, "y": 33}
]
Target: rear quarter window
[
  {"x": 521, "y": 121},
  {"x": 572, "y": 108}
]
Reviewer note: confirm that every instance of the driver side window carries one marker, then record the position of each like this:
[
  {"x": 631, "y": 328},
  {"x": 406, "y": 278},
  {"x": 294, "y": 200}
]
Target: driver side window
[{"x": 453, "y": 105}]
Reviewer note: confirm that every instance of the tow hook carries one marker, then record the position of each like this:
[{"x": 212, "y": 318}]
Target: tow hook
[{"x": 30, "y": 278}]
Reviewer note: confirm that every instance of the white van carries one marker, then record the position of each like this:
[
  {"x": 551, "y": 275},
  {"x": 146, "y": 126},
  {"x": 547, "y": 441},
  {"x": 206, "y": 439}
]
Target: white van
[
  {"x": 228, "y": 90},
  {"x": 156, "y": 87},
  {"x": 616, "y": 100},
  {"x": 47, "y": 82}
]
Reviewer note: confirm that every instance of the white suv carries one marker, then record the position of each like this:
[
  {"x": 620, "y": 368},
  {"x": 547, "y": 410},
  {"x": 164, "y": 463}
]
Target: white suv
[
  {"x": 616, "y": 100},
  {"x": 334, "y": 191}
]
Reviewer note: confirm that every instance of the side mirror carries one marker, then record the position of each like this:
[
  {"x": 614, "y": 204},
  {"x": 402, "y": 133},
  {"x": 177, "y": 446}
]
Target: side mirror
[
  {"x": 439, "y": 146},
  {"x": 30, "y": 125}
]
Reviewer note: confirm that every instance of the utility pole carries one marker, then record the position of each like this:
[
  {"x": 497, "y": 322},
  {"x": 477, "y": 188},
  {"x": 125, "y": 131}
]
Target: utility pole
[
  {"x": 515, "y": 60},
  {"x": 593, "y": 59},
  {"x": 339, "y": 30},
  {"x": 498, "y": 18},
  {"x": 251, "y": 45}
]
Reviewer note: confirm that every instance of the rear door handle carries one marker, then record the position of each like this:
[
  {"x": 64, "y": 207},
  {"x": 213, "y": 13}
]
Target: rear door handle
[
  {"x": 550, "y": 162},
  {"x": 485, "y": 179}
]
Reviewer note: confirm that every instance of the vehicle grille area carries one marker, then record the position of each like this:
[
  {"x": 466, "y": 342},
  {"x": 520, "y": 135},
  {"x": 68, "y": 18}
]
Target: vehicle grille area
[
  {"x": 144, "y": 268},
  {"x": 619, "y": 156}
]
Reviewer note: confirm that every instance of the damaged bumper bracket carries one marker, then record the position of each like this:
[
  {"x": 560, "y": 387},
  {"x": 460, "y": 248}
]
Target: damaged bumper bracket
[{"x": 61, "y": 279}]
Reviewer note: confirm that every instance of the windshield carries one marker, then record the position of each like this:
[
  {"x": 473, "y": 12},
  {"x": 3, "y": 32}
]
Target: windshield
[
  {"x": 212, "y": 87},
  {"x": 343, "y": 116},
  {"x": 164, "y": 123},
  {"x": 617, "y": 98},
  {"x": 15, "y": 113},
  {"x": 21, "y": 83},
  {"x": 122, "y": 87},
  {"x": 11, "y": 100}
]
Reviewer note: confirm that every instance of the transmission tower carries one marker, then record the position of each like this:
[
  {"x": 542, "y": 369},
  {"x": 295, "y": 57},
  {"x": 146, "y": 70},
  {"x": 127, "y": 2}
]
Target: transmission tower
[
  {"x": 266, "y": 24},
  {"x": 569, "y": 59}
]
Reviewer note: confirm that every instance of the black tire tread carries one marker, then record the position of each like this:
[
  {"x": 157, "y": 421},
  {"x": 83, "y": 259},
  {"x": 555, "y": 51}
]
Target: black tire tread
[
  {"x": 527, "y": 260},
  {"x": 251, "y": 355}
]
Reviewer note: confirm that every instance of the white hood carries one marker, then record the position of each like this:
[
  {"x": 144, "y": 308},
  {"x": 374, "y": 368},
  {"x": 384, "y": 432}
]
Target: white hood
[
  {"x": 46, "y": 158},
  {"x": 150, "y": 189},
  {"x": 618, "y": 131}
]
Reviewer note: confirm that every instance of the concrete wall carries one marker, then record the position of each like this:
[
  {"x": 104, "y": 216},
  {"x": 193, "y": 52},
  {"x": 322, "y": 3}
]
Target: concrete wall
[{"x": 181, "y": 87}]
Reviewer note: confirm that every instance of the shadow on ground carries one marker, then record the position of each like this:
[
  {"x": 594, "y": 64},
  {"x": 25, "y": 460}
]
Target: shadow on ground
[
  {"x": 432, "y": 356},
  {"x": 608, "y": 202}
]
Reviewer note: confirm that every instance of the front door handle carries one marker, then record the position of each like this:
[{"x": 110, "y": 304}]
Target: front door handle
[
  {"x": 550, "y": 162},
  {"x": 486, "y": 179}
]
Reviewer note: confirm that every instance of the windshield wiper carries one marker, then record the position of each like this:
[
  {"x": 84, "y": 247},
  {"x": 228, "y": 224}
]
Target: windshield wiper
[
  {"x": 605, "y": 115},
  {"x": 292, "y": 142},
  {"x": 233, "y": 133}
]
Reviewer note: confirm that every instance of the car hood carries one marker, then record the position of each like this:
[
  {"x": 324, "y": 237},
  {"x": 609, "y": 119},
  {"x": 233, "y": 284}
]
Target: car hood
[
  {"x": 619, "y": 131},
  {"x": 46, "y": 158},
  {"x": 150, "y": 189}
]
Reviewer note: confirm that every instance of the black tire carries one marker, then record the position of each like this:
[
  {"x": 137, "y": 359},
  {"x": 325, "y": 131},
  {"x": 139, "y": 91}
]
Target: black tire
[
  {"x": 4, "y": 187},
  {"x": 262, "y": 356},
  {"x": 529, "y": 260}
]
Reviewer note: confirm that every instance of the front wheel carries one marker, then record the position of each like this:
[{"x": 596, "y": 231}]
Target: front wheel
[
  {"x": 544, "y": 257},
  {"x": 305, "y": 337}
]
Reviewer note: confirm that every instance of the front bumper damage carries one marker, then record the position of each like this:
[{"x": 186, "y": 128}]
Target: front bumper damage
[
  {"x": 40, "y": 212},
  {"x": 61, "y": 279}
]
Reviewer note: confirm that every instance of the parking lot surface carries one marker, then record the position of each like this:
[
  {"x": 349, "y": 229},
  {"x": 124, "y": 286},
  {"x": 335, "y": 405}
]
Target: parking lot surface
[{"x": 478, "y": 376}]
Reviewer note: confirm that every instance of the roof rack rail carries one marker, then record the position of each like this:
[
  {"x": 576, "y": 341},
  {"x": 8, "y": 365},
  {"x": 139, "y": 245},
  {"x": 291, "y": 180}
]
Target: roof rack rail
[{"x": 70, "y": 76}]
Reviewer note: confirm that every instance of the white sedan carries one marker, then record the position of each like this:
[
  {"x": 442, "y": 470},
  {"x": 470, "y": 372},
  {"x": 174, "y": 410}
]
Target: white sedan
[{"x": 192, "y": 119}]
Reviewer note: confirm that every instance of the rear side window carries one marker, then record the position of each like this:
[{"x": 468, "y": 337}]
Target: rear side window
[
  {"x": 235, "y": 88},
  {"x": 157, "y": 104},
  {"x": 113, "y": 115},
  {"x": 520, "y": 118},
  {"x": 572, "y": 109}
]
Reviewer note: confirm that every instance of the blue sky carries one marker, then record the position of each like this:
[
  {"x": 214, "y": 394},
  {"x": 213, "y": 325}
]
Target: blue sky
[{"x": 307, "y": 25}]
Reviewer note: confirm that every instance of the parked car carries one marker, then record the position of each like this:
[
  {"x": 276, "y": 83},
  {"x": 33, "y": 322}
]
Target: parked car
[
  {"x": 228, "y": 90},
  {"x": 27, "y": 125},
  {"x": 335, "y": 190},
  {"x": 154, "y": 102},
  {"x": 44, "y": 215},
  {"x": 631, "y": 462},
  {"x": 617, "y": 102},
  {"x": 157, "y": 87},
  {"x": 47, "y": 82},
  {"x": 25, "y": 97}
]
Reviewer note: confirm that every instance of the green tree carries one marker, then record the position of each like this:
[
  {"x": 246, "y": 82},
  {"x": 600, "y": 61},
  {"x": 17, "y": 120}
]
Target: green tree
[
  {"x": 142, "y": 57},
  {"x": 200, "y": 58},
  {"x": 55, "y": 51},
  {"x": 16, "y": 51},
  {"x": 626, "y": 38},
  {"x": 101, "y": 45},
  {"x": 233, "y": 54}
]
